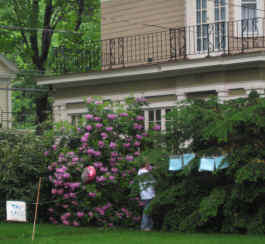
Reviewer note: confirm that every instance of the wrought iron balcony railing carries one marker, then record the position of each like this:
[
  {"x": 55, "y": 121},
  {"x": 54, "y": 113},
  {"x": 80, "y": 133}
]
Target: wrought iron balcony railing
[{"x": 220, "y": 38}]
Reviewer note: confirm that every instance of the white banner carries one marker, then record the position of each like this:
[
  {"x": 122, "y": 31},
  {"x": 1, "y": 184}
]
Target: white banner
[{"x": 16, "y": 211}]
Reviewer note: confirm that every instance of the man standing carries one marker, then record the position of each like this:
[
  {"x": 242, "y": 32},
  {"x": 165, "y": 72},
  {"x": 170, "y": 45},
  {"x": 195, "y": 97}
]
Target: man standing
[{"x": 147, "y": 193}]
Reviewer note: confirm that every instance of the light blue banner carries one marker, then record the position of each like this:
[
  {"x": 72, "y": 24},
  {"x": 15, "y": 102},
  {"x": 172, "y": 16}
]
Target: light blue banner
[
  {"x": 178, "y": 162},
  {"x": 212, "y": 163}
]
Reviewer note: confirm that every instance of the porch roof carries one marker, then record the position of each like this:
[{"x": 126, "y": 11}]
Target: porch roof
[{"x": 158, "y": 71}]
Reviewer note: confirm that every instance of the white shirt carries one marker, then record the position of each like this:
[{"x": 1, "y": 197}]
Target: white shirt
[{"x": 146, "y": 187}]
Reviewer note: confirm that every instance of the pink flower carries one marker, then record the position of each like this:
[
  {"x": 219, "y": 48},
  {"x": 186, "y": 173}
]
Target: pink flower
[
  {"x": 140, "y": 99},
  {"x": 104, "y": 135},
  {"x": 111, "y": 177},
  {"x": 72, "y": 195},
  {"x": 99, "y": 125},
  {"x": 90, "y": 214},
  {"x": 101, "y": 144},
  {"x": 139, "y": 117},
  {"x": 92, "y": 194},
  {"x": 139, "y": 137},
  {"x": 50, "y": 168},
  {"x": 137, "y": 126},
  {"x": 66, "y": 175},
  {"x": 112, "y": 116},
  {"x": 102, "y": 169},
  {"x": 109, "y": 128},
  {"x": 114, "y": 154},
  {"x": 66, "y": 196},
  {"x": 90, "y": 151},
  {"x": 75, "y": 223},
  {"x": 136, "y": 153},
  {"x": 66, "y": 222},
  {"x": 89, "y": 100},
  {"x": 126, "y": 145},
  {"x": 84, "y": 138},
  {"x": 46, "y": 153},
  {"x": 129, "y": 158},
  {"x": 123, "y": 115},
  {"x": 51, "y": 210},
  {"x": 98, "y": 102},
  {"x": 97, "y": 119},
  {"x": 110, "y": 225},
  {"x": 112, "y": 145},
  {"x": 80, "y": 214},
  {"x": 97, "y": 164},
  {"x": 100, "y": 178},
  {"x": 114, "y": 170},
  {"x": 89, "y": 127},
  {"x": 97, "y": 154},
  {"x": 74, "y": 185},
  {"x": 60, "y": 191},
  {"x": 65, "y": 206},
  {"x": 89, "y": 116},
  {"x": 100, "y": 211},
  {"x": 137, "y": 144},
  {"x": 156, "y": 127},
  {"x": 75, "y": 159},
  {"x": 54, "y": 147}
]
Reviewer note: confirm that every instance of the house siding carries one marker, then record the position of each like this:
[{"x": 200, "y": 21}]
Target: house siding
[
  {"x": 161, "y": 93},
  {"x": 131, "y": 17}
]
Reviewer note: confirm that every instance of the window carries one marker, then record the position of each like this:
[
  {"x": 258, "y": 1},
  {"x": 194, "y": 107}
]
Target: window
[
  {"x": 211, "y": 27},
  {"x": 220, "y": 26},
  {"x": 249, "y": 16},
  {"x": 156, "y": 117},
  {"x": 202, "y": 26},
  {"x": 76, "y": 119}
]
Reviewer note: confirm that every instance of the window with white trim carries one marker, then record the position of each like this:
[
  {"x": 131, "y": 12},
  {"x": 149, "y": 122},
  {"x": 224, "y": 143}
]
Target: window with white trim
[
  {"x": 157, "y": 116},
  {"x": 249, "y": 16},
  {"x": 250, "y": 13},
  {"x": 154, "y": 117},
  {"x": 76, "y": 119}
]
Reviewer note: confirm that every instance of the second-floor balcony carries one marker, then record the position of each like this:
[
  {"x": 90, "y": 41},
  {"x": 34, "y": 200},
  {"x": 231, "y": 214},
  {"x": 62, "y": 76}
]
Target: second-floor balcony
[{"x": 170, "y": 45}]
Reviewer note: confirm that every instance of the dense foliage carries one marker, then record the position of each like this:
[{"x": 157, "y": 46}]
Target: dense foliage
[
  {"x": 110, "y": 138},
  {"x": 228, "y": 200},
  {"x": 21, "y": 165},
  {"x": 31, "y": 30}
]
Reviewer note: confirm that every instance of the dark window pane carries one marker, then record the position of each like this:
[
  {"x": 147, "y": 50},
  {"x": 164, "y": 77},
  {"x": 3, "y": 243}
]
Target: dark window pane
[
  {"x": 151, "y": 115},
  {"x": 158, "y": 115}
]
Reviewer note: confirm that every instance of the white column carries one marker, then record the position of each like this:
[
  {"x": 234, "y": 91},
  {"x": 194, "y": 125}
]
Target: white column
[
  {"x": 222, "y": 95},
  {"x": 181, "y": 96},
  {"x": 163, "y": 119},
  {"x": 146, "y": 119},
  {"x": 56, "y": 113}
]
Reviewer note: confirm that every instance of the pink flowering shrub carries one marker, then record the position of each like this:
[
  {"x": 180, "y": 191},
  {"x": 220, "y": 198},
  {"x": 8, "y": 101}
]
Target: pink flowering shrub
[{"x": 110, "y": 140}]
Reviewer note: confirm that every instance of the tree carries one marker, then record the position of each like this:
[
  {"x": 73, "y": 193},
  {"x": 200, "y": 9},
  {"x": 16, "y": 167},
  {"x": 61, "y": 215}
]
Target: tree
[{"x": 30, "y": 28}]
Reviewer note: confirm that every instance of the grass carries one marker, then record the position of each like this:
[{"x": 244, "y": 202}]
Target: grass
[{"x": 12, "y": 233}]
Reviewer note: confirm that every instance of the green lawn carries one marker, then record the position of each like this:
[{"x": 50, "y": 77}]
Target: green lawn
[{"x": 11, "y": 233}]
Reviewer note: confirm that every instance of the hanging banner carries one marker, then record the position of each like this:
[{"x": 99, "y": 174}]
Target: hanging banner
[
  {"x": 213, "y": 163},
  {"x": 177, "y": 162},
  {"x": 16, "y": 211}
]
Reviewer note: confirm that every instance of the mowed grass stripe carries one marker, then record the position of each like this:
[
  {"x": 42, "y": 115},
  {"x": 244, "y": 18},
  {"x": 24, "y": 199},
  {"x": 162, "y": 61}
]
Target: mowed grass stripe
[{"x": 11, "y": 233}]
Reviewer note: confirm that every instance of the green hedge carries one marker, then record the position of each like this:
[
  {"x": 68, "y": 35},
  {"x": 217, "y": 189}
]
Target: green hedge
[
  {"x": 229, "y": 200},
  {"x": 21, "y": 165}
]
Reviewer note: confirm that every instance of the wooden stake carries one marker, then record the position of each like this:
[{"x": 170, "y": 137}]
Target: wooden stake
[{"x": 36, "y": 211}]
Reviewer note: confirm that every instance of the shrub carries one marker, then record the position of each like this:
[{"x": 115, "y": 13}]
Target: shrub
[
  {"x": 109, "y": 138},
  {"x": 227, "y": 200}
]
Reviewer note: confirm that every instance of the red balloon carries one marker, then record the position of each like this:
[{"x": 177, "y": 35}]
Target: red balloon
[{"x": 88, "y": 174}]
